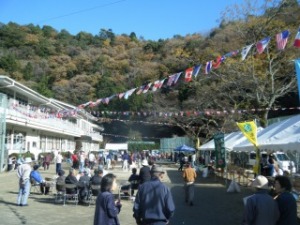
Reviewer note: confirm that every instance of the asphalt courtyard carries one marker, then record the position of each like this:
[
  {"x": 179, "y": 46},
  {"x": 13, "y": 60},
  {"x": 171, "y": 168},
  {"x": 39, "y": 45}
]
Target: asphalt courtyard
[{"x": 212, "y": 204}]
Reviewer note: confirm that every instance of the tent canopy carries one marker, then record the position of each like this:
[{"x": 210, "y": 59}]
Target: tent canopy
[
  {"x": 185, "y": 148},
  {"x": 280, "y": 136},
  {"x": 230, "y": 140}
]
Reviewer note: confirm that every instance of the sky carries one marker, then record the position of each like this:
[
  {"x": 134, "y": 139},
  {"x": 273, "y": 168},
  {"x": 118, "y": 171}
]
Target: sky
[{"x": 150, "y": 19}]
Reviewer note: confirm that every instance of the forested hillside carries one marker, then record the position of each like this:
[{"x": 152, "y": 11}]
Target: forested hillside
[{"x": 85, "y": 68}]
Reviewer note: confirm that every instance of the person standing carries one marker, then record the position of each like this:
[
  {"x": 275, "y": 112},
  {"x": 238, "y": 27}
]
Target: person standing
[
  {"x": 92, "y": 159},
  {"x": 47, "y": 161},
  {"x": 107, "y": 209},
  {"x": 286, "y": 201},
  {"x": 23, "y": 173},
  {"x": 144, "y": 174},
  {"x": 58, "y": 161},
  {"x": 260, "y": 208},
  {"x": 154, "y": 202},
  {"x": 189, "y": 176}
]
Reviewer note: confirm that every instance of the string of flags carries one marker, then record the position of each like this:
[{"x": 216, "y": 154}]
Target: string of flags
[
  {"x": 186, "y": 113},
  {"x": 122, "y": 136},
  {"x": 102, "y": 115},
  {"x": 192, "y": 72}
]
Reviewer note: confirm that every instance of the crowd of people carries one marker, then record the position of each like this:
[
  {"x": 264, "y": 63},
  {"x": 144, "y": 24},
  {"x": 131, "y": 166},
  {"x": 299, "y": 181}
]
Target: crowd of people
[{"x": 153, "y": 201}]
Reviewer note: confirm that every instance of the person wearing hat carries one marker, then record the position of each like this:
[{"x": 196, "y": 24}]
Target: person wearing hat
[
  {"x": 260, "y": 208},
  {"x": 37, "y": 177},
  {"x": 144, "y": 172},
  {"x": 23, "y": 173},
  {"x": 154, "y": 202}
]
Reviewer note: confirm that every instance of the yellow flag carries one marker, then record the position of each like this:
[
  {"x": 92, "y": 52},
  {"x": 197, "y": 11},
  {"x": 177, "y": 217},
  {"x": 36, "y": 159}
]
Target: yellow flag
[{"x": 249, "y": 130}]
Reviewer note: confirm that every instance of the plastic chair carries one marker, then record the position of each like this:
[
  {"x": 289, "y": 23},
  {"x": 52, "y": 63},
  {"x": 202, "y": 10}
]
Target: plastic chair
[
  {"x": 94, "y": 191},
  {"x": 71, "y": 193}
]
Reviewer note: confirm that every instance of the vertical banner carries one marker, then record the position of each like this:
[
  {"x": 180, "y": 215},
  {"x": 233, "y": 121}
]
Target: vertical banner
[
  {"x": 249, "y": 129},
  {"x": 297, "y": 66},
  {"x": 220, "y": 150}
]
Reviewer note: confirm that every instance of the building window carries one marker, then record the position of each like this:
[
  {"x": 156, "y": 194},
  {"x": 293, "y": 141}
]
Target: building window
[
  {"x": 19, "y": 140},
  {"x": 43, "y": 142}
]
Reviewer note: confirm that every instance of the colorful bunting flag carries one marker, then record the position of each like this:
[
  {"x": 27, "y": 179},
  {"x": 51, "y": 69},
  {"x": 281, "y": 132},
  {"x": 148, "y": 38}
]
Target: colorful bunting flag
[
  {"x": 245, "y": 51},
  {"x": 188, "y": 74},
  {"x": 297, "y": 39},
  {"x": 196, "y": 70},
  {"x": 157, "y": 84},
  {"x": 129, "y": 93},
  {"x": 262, "y": 44},
  {"x": 173, "y": 79},
  {"x": 141, "y": 88},
  {"x": 208, "y": 67},
  {"x": 146, "y": 88},
  {"x": 217, "y": 62},
  {"x": 121, "y": 95},
  {"x": 281, "y": 39},
  {"x": 232, "y": 53}
]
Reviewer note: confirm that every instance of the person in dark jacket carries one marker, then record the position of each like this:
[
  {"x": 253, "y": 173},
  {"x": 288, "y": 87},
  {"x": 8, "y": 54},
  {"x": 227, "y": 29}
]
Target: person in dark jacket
[
  {"x": 145, "y": 172},
  {"x": 260, "y": 208},
  {"x": 107, "y": 209},
  {"x": 84, "y": 185},
  {"x": 154, "y": 202},
  {"x": 71, "y": 179},
  {"x": 286, "y": 201}
]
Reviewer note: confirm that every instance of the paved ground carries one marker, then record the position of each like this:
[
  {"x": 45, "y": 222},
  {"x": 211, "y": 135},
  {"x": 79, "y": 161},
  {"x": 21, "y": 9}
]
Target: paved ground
[{"x": 213, "y": 205}]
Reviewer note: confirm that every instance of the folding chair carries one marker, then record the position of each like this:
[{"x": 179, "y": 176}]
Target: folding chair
[
  {"x": 60, "y": 192},
  {"x": 125, "y": 190},
  {"x": 35, "y": 186},
  {"x": 71, "y": 194},
  {"x": 94, "y": 191}
]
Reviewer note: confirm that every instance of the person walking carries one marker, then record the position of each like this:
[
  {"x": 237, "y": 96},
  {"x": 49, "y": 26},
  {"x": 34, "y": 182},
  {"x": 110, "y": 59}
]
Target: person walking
[
  {"x": 286, "y": 201},
  {"x": 154, "y": 203},
  {"x": 107, "y": 209},
  {"x": 260, "y": 208},
  {"x": 189, "y": 176},
  {"x": 23, "y": 173}
]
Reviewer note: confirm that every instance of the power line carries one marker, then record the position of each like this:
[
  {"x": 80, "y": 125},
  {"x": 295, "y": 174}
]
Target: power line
[{"x": 81, "y": 11}]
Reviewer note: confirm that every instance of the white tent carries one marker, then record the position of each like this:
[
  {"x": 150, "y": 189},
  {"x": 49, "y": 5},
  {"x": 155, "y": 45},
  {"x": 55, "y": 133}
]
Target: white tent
[
  {"x": 116, "y": 146},
  {"x": 283, "y": 135},
  {"x": 230, "y": 141}
]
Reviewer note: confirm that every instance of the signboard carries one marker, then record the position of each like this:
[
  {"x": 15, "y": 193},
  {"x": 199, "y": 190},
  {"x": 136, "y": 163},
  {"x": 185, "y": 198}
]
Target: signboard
[{"x": 220, "y": 150}]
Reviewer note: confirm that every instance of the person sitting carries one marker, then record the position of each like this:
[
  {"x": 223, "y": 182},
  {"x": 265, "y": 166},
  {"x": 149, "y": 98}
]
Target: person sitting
[
  {"x": 60, "y": 181},
  {"x": 84, "y": 184},
  {"x": 134, "y": 180},
  {"x": 37, "y": 177},
  {"x": 71, "y": 179},
  {"x": 96, "y": 180}
]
